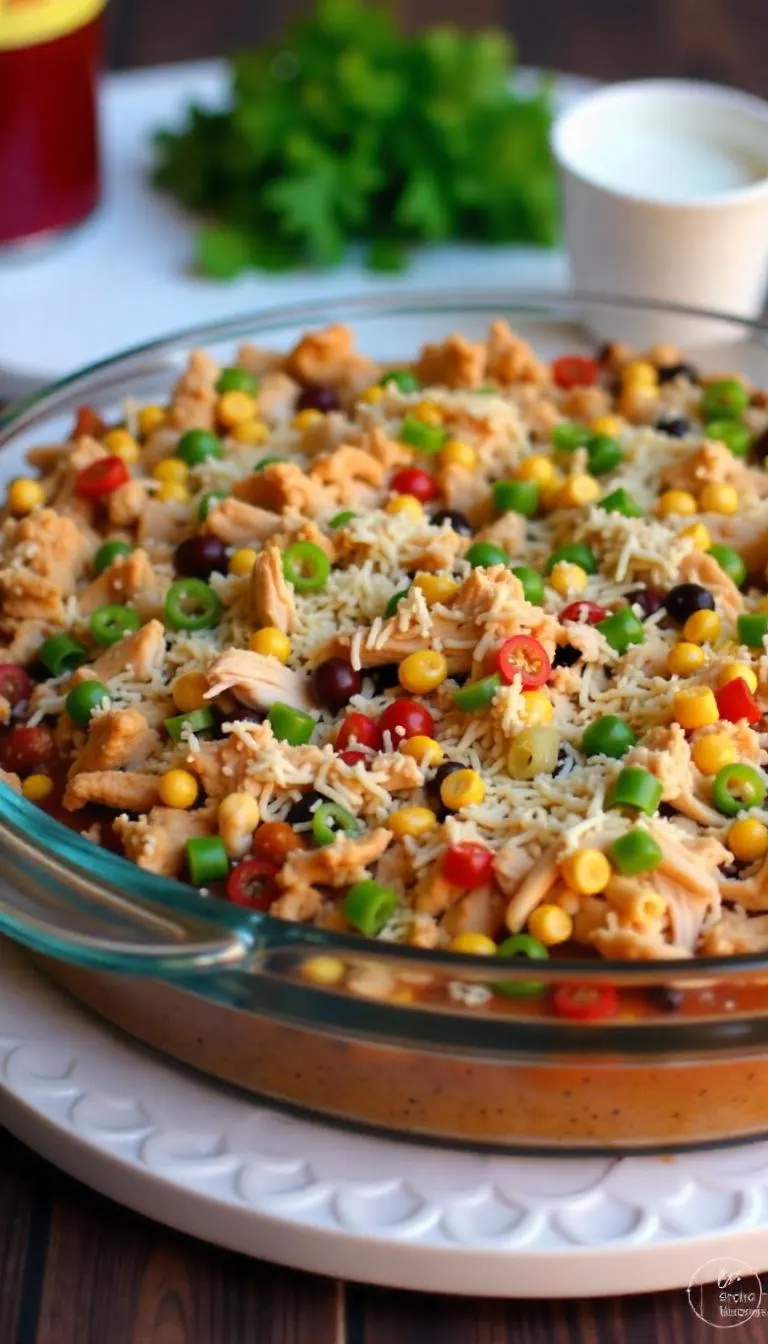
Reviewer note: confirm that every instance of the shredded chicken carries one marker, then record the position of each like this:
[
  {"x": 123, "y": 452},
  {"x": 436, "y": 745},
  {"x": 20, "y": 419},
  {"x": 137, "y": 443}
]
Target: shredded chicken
[
  {"x": 120, "y": 737},
  {"x": 336, "y": 865},
  {"x": 271, "y": 597},
  {"x": 129, "y": 579},
  {"x": 143, "y": 652},
  {"x": 257, "y": 681},
  {"x": 194, "y": 399},
  {"x": 283, "y": 487},
  {"x": 130, "y": 791},
  {"x": 158, "y": 841},
  {"x": 455, "y": 362},
  {"x": 328, "y": 358},
  {"x": 241, "y": 524}
]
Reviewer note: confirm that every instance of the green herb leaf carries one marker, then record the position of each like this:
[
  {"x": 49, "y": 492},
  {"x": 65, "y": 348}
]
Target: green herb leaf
[{"x": 349, "y": 132}]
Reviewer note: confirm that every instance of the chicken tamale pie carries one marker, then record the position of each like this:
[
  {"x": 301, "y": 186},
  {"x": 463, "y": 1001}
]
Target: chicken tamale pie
[{"x": 466, "y": 653}]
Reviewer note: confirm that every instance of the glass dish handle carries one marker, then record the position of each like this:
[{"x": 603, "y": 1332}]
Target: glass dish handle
[{"x": 104, "y": 912}]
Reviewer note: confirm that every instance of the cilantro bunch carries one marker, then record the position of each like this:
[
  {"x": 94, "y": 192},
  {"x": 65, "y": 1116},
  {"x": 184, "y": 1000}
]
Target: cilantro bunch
[{"x": 348, "y": 132}]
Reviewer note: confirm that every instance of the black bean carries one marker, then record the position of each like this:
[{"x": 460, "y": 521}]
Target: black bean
[
  {"x": 566, "y": 763},
  {"x": 760, "y": 447},
  {"x": 302, "y": 810},
  {"x": 384, "y": 677},
  {"x": 566, "y": 655},
  {"x": 686, "y": 598},
  {"x": 458, "y": 521},
  {"x": 647, "y": 599},
  {"x": 669, "y": 372},
  {"x": 676, "y": 426}
]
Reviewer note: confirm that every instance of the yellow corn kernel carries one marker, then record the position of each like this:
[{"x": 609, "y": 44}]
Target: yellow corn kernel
[
  {"x": 423, "y": 671},
  {"x": 122, "y": 444},
  {"x": 473, "y": 945},
  {"x": 537, "y": 708},
  {"x": 304, "y": 420},
  {"x": 373, "y": 394},
  {"x": 702, "y": 627},
  {"x": 241, "y": 562},
  {"x": 550, "y": 924},
  {"x": 577, "y": 491},
  {"x": 457, "y": 454},
  {"x": 429, "y": 413},
  {"x": 685, "y": 659},
  {"x": 539, "y": 469},
  {"x": 413, "y": 821},
  {"x": 464, "y": 788},
  {"x": 637, "y": 402},
  {"x": 748, "y": 839},
  {"x": 711, "y": 752},
  {"x": 612, "y": 425},
  {"x": 188, "y": 691},
  {"x": 177, "y": 788},
  {"x": 36, "y": 788},
  {"x": 436, "y": 587},
  {"x": 239, "y": 815},
  {"x": 425, "y": 750},
  {"x": 270, "y": 643},
  {"x": 549, "y": 495},
  {"x": 695, "y": 707},
  {"x": 675, "y": 502},
  {"x": 586, "y": 871},
  {"x": 323, "y": 970},
  {"x": 406, "y": 504},
  {"x": 730, "y": 672},
  {"x": 235, "y": 408},
  {"x": 251, "y": 431},
  {"x": 567, "y": 578},
  {"x": 24, "y": 496},
  {"x": 150, "y": 418},
  {"x": 639, "y": 373},
  {"x": 719, "y": 499},
  {"x": 171, "y": 469},
  {"x": 699, "y": 535},
  {"x": 173, "y": 492}
]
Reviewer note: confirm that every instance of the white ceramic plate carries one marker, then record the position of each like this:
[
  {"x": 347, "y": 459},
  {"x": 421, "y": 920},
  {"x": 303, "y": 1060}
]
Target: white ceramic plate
[
  {"x": 200, "y": 1157},
  {"x": 126, "y": 276}
]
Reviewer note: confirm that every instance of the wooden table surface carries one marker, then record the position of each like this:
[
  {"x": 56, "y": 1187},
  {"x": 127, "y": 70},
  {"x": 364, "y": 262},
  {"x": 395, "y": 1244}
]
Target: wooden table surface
[{"x": 77, "y": 1269}]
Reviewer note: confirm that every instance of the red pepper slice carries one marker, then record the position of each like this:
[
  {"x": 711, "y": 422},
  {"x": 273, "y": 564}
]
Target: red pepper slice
[
  {"x": 365, "y": 732},
  {"x": 524, "y": 657},
  {"x": 585, "y": 1003},
  {"x": 588, "y": 613},
  {"x": 574, "y": 371},
  {"x": 352, "y": 757},
  {"x": 467, "y": 865},
  {"x": 102, "y": 477},
  {"x": 87, "y": 421},
  {"x": 252, "y": 883},
  {"x": 735, "y": 701}
]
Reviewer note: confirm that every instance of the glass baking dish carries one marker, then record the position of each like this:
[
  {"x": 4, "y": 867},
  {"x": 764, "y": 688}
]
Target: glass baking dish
[{"x": 405, "y": 1040}]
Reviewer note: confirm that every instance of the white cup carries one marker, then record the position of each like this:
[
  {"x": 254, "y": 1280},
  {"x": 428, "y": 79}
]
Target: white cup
[{"x": 665, "y": 186}]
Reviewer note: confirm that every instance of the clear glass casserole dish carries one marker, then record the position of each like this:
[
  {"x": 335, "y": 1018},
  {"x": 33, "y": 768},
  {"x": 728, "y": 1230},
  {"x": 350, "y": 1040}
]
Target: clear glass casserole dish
[{"x": 402, "y": 1039}]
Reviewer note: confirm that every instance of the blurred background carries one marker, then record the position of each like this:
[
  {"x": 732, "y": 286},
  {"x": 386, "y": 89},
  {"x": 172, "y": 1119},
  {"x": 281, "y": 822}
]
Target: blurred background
[{"x": 723, "y": 40}]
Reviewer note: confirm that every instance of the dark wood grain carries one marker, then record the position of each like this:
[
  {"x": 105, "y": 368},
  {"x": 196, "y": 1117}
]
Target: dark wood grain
[
  {"x": 76, "y": 1269},
  {"x": 724, "y": 40}
]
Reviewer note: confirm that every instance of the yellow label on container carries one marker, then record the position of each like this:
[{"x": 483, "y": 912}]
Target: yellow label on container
[{"x": 25, "y": 23}]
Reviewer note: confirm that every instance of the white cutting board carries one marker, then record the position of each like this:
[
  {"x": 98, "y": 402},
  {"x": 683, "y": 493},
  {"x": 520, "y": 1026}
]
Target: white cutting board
[{"x": 126, "y": 276}]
